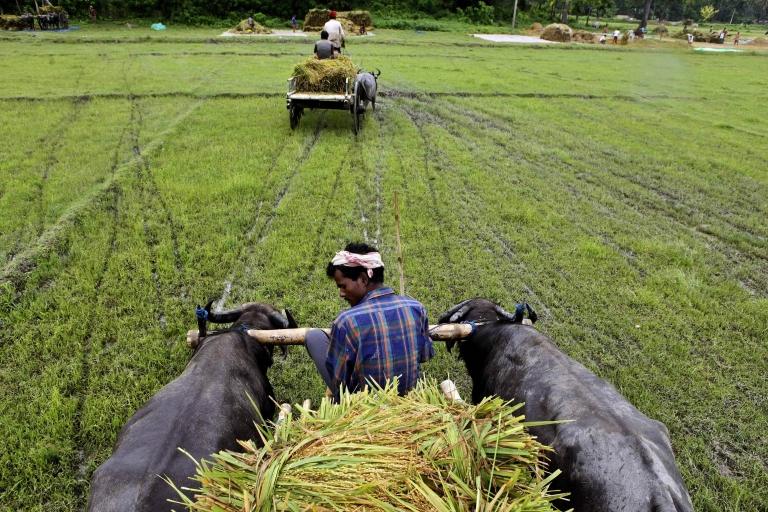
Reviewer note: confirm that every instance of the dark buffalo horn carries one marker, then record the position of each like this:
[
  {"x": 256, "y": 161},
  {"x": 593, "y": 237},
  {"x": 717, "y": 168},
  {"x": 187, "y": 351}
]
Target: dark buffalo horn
[
  {"x": 226, "y": 317},
  {"x": 449, "y": 315},
  {"x": 531, "y": 313},
  {"x": 203, "y": 315},
  {"x": 507, "y": 316},
  {"x": 377, "y": 73},
  {"x": 291, "y": 322}
]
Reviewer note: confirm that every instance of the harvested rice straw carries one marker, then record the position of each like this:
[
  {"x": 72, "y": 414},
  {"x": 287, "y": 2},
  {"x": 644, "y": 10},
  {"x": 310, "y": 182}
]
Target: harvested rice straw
[
  {"x": 378, "y": 451},
  {"x": 324, "y": 75}
]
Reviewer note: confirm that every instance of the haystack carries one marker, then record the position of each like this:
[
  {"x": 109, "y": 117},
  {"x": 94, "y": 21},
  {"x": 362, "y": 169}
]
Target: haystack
[
  {"x": 536, "y": 27},
  {"x": 51, "y": 9},
  {"x": 350, "y": 20},
  {"x": 557, "y": 32},
  {"x": 326, "y": 75},
  {"x": 11, "y": 22},
  {"x": 378, "y": 451},
  {"x": 244, "y": 28},
  {"x": 583, "y": 36}
]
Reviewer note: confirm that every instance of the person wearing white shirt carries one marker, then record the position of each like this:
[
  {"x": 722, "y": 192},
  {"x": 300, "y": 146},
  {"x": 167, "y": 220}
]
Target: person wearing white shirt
[
  {"x": 335, "y": 32},
  {"x": 616, "y": 34}
]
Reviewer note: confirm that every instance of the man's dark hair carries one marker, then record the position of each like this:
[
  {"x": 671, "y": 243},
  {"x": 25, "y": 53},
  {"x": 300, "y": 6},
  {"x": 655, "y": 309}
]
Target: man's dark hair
[
  {"x": 354, "y": 272},
  {"x": 324, "y": 34}
]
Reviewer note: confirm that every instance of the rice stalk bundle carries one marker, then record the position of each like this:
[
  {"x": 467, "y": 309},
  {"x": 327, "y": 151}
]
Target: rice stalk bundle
[
  {"x": 324, "y": 75},
  {"x": 378, "y": 451},
  {"x": 243, "y": 28}
]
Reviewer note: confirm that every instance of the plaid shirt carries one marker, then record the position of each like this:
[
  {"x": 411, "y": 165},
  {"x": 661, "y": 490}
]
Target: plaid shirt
[{"x": 383, "y": 336}]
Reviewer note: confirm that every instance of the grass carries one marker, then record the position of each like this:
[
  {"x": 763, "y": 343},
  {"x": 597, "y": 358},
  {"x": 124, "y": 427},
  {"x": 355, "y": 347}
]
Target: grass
[{"x": 621, "y": 191}]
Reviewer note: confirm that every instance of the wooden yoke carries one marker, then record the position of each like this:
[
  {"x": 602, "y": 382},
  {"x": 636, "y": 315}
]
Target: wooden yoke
[{"x": 441, "y": 332}]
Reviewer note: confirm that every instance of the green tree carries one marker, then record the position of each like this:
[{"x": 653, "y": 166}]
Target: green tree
[{"x": 707, "y": 13}]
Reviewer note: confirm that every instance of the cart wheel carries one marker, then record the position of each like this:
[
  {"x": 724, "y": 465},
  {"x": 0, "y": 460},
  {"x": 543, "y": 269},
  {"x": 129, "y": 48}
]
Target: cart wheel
[
  {"x": 356, "y": 109},
  {"x": 295, "y": 115}
]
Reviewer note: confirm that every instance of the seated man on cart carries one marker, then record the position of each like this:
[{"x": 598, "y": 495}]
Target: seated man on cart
[
  {"x": 324, "y": 48},
  {"x": 381, "y": 336}
]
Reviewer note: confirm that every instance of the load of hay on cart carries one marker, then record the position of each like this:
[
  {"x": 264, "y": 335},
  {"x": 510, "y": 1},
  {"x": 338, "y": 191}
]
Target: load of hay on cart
[{"x": 330, "y": 84}]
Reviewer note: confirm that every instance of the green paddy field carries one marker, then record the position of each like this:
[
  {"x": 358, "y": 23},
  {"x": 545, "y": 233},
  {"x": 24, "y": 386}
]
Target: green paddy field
[{"x": 622, "y": 191}]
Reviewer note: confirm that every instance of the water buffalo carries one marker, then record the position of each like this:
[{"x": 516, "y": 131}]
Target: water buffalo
[
  {"x": 368, "y": 86},
  {"x": 613, "y": 458},
  {"x": 204, "y": 410}
]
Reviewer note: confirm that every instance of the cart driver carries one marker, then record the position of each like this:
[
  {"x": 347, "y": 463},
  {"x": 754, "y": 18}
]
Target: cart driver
[
  {"x": 335, "y": 32},
  {"x": 323, "y": 48},
  {"x": 381, "y": 336}
]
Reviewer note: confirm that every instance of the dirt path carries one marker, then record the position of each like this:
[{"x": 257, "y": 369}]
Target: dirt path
[{"x": 509, "y": 38}]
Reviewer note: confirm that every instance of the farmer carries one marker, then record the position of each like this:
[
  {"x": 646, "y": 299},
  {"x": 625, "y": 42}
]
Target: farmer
[
  {"x": 324, "y": 48},
  {"x": 381, "y": 336},
  {"x": 335, "y": 32},
  {"x": 736, "y": 39},
  {"x": 294, "y": 23},
  {"x": 616, "y": 35},
  {"x": 690, "y": 38}
]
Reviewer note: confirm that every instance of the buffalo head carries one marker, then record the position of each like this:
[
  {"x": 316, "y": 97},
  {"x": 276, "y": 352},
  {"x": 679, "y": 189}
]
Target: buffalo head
[{"x": 483, "y": 311}]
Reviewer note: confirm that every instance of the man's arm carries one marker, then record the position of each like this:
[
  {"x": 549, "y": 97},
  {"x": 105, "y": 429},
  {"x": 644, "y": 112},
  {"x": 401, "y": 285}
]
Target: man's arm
[
  {"x": 427, "y": 349},
  {"x": 341, "y": 359}
]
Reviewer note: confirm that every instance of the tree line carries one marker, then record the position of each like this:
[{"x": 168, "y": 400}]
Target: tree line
[{"x": 733, "y": 11}]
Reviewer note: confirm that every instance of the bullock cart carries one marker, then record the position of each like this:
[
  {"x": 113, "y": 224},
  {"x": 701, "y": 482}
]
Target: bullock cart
[{"x": 297, "y": 101}]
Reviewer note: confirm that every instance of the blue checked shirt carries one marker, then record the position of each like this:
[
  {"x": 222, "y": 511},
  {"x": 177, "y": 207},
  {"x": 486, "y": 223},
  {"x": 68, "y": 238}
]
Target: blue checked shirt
[{"x": 383, "y": 336}]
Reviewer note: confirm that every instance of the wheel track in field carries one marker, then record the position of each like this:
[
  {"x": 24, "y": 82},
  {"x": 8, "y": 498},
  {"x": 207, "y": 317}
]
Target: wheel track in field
[
  {"x": 377, "y": 179},
  {"x": 53, "y": 158},
  {"x": 145, "y": 190},
  {"x": 317, "y": 255},
  {"x": 723, "y": 246},
  {"x": 266, "y": 226},
  {"x": 500, "y": 143},
  {"x": 369, "y": 186},
  {"x": 664, "y": 196},
  {"x": 15, "y": 271},
  {"x": 218, "y": 305},
  {"x": 78, "y": 466},
  {"x": 746, "y": 198},
  {"x": 488, "y": 236},
  {"x": 417, "y": 119},
  {"x": 56, "y": 134}
]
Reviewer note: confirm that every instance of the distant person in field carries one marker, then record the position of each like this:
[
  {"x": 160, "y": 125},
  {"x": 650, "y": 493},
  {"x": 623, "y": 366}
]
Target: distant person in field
[
  {"x": 602, "y": 38},
  {"x": 294, "y": 23},
  {"x": 690, "y": 38},
  {"x": 335, "y": 32},
  {"x": 92, "y": 12},
  {"x": 616, "y": 34},
  {"x": 381, "y": 336},
  {"x": 736, "y": 39},
  {"x": 324, "y": 48},
  {"x": 630, "y": 35}
]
